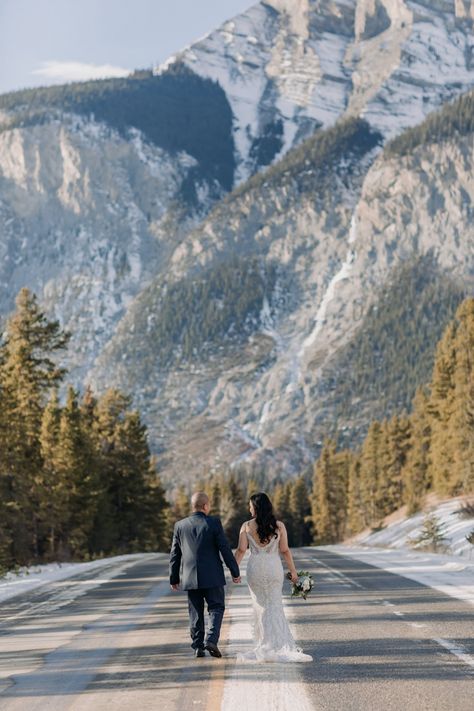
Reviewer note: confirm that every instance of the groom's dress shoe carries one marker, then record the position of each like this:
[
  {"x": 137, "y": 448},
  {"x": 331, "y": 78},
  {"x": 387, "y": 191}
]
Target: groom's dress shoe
[
  {"x": 213, "y": 649},
  {"x": 199, "y": 652}
]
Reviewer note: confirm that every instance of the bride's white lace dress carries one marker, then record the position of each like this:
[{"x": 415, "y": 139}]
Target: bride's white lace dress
[{"x": 272, "y": 635}]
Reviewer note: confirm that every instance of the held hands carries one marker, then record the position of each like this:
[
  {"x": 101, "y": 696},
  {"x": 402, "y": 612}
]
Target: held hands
[{"x": 175, "y": 587}]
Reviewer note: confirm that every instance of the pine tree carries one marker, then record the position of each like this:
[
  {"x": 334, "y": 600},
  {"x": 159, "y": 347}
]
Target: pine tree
[
  {"x": 53, "y": 492},
  {"x": 182, "y": 505},
  {"x": 392, "y": 457},
  {"x": 329, "y": 498},
  {"x": 300, "y": 508},
  {"x": 233, "y": 509},
  {"x": 28, "y": 373},
  {"x": 280, "y": 501},
  {"x": 321, "y": 510},
  {"x": 462, "y": 419},
  {"x": 6, "y": 497},
  {"x": 155, "y": 513},
  {"x": 88, "y": 408},
  {"x": 355, "y": 506},
  {"x": 281, "y": 506},
  {"x": 431, "y": 536},
  {"x": 451, "y": 406},
  {"x": 441, "y": 407},
  {"x": 251, "y": 488},
  {"x": 77, "y": 481},
  {"x": 110, "y": 413},
  {"x": 370, "y": 467},
  {"x": 129, "y": 491},
  {"x": 287, "y": 515},
  {"x": 132, "y": 513},
  {"x": 415, "y": 472},
  {"x": 215, "y": 496}
]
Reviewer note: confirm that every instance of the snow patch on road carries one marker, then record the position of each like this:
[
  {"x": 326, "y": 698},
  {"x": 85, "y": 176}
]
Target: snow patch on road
[{"x": 32, "y": 577}]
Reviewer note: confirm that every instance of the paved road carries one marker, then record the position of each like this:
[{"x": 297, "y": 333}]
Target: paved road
[
  {"x": 379, "y": 641},
  {"x": 382, "y": 641}
]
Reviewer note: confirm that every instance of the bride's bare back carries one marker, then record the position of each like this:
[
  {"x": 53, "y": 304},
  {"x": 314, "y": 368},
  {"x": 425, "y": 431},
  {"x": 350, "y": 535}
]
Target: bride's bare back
[{"x": 272, "y": 635}]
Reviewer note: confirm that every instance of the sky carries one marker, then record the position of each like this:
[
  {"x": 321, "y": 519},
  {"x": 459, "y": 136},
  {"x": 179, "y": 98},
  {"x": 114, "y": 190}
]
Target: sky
[{"x": 46, "y": 42}]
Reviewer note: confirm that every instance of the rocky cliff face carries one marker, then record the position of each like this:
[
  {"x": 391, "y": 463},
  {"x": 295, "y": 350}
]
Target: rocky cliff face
[
  {"x": 265, "y": 399},
  {"x": 290, "y": 66},
  {"x": 111, "y": 200},
  {"x": 85, "y": 218}
]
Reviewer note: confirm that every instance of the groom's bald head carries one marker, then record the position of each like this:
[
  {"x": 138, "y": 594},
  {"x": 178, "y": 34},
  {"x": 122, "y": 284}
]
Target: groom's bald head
[{"x": 199, "y": 501}]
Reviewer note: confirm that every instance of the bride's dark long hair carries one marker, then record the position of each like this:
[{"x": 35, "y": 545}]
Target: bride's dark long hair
[{"x": 264, "y": 517}]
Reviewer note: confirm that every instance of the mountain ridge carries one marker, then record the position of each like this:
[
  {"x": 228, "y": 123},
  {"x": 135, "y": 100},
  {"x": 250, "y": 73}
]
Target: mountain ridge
[
  {"x": 100, "y": 212},
  {"x": 257, "y": 399}
]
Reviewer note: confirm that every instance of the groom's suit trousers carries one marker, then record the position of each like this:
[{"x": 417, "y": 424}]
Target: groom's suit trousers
[{"x": 215, "y": 599}]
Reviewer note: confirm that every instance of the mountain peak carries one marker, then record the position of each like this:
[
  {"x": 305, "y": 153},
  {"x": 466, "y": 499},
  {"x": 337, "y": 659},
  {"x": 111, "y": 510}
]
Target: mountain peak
[{"x": 289, "y": 67}]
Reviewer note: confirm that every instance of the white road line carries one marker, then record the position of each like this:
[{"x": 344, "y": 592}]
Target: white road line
[
  {"x": 456, "y": 649},
  {"x": 340, "y": 575},
  {"x": 426, "y": 570}
]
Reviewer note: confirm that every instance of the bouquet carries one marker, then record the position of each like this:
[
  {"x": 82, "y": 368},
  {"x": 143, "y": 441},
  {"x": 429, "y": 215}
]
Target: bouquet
[{"x": 303, "y": 586}]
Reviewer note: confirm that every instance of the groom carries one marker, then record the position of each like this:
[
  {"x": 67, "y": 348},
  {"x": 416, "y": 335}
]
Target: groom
[{"x": 197, "y": 542}]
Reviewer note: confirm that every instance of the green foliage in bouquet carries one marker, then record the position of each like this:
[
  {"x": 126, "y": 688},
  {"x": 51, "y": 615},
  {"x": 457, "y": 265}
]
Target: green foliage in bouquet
[{"x": 303, "y": 586}]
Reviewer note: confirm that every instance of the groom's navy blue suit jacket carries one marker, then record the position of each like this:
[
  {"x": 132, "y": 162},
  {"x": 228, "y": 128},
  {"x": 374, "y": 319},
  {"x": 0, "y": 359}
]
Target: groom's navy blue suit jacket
[{"x": 194, "y": 559}]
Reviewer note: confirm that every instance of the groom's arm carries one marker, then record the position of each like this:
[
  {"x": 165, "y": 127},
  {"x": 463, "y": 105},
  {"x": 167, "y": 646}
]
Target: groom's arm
[
  {"x": 226, "y": 550},
  {"x": 175, "y": 557}
]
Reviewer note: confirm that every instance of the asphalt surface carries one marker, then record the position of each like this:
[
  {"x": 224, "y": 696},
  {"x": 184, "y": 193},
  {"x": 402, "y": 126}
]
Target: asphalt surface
[
  {"x": 373, "y": 637},
  {"x": 379, "y": 641}
]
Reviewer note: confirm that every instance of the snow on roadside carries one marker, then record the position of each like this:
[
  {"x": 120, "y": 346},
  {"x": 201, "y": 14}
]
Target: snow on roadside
[
  {"x": 389, "y": 548},
  {"x": 449, "y": 574},
  {"x": 32, "y": 577},
  {"x": 397, "y": 533}
]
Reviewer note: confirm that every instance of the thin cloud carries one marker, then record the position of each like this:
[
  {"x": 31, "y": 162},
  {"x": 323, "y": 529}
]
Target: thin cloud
[{"x": 78, "y": 71}]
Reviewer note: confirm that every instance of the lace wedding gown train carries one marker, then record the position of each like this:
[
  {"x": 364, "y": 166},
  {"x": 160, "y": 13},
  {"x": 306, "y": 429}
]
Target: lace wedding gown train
[{"x": 273, "y": 639}]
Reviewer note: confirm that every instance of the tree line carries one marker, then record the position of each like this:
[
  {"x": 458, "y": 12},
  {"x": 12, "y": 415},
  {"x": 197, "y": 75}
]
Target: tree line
[
  {"x": 76, "y": 479},
  {"x": 177, "y": 110},
  {"x": 222, "y": 304},
  {"x": 393, "y": 349},
  {"x": 405, "y": 457},
  {"x": 400, "y": 460},
  {"x": 452, "y": 120},
  {"x": 229, "y": 494}
]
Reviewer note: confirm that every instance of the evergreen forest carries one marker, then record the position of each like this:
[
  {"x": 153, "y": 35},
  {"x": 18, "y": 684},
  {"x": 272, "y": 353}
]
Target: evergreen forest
[
  {"x": 177, "y": 110},
  {"x": 77, "y": 480},
  {"x": 400, "y": 460}
]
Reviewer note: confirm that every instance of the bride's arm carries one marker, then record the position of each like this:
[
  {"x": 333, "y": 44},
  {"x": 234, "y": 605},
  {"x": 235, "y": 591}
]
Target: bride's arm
[
  {"x": 285, "y": 551},
  {"x": 243, "y": 545}
]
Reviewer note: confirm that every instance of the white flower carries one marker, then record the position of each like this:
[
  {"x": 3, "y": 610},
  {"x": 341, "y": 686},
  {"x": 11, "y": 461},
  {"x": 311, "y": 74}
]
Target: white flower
[{"x": 306, "y": 584}]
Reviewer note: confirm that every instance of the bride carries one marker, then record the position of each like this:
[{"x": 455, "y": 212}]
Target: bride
[{"x": 267, "y": 539}]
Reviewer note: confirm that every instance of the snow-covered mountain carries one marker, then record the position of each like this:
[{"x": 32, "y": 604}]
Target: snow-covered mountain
[
  {"x": 339, "y": 233},
  {"x": 290, "y": 66},
  {"x": 122, "y": 199},
  {"x": 84, "y": 215}
]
